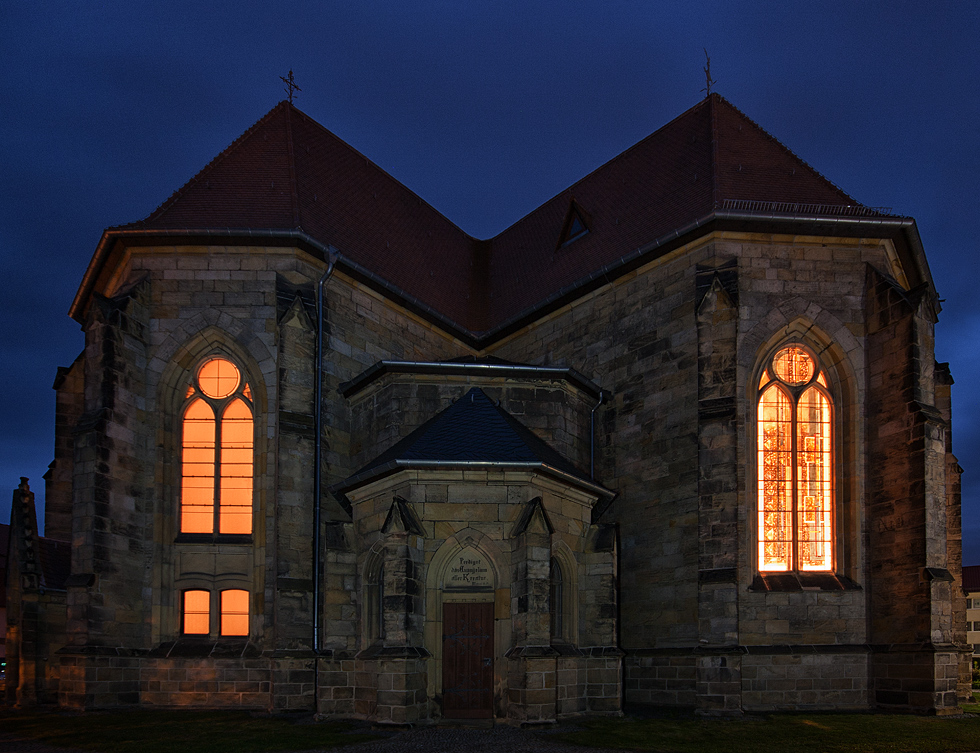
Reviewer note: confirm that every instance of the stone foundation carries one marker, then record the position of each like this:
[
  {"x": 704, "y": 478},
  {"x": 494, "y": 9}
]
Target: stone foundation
[
  {"x": 660, "y": 680},
  {"x": 260, "y": 683},
  {"x": 805, "y": 681},
  {"x": 916, "y": 680},
  {"x": 751, "y": 679}
]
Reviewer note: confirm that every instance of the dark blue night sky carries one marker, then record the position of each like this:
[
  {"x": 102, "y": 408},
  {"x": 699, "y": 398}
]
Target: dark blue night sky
[{"x": 484, "y": 108}]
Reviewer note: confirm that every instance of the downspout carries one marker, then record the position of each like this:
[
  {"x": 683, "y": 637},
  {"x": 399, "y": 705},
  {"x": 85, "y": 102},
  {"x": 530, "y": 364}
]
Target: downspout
[
  {"x": 602, "y": 399},
  {"x": 317, "y": 455}
]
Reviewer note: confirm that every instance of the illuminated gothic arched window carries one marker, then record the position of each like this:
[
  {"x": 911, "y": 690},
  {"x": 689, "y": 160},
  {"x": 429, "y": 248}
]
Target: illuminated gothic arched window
[
  {"x": 216, "y": 452},
  {"x": 795, "y": 464}
]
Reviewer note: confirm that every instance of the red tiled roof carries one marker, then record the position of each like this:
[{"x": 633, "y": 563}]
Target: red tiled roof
[
  {"x": 676, "y": 175},
  {"x": 288, "y": 172},
  {"x": 971, "y": 578}
]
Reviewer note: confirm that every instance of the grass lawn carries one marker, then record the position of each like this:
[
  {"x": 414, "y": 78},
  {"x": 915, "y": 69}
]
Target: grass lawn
[
  {"x": 779, "y": 733},
  {"x": 146, "y": 731},
  {"x": 176, "y": 731}
]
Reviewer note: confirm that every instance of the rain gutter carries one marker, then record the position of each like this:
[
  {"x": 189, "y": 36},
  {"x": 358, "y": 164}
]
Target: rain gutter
[
  {"x": 808, "y": 223},
  {"x": 318, "y": 449},
  {"x": 602, "y": 398},
  {"x": 394, "y": 466},
  {"x": 826, "y": 224},
  {"x": 450, "y": 368},
  {"x": 284, "y": 237}
]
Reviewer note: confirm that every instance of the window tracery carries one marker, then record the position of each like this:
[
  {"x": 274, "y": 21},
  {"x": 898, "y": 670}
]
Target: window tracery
[
  {"x": 217, "y": 451},
  {"x": 795, "y": 464}
]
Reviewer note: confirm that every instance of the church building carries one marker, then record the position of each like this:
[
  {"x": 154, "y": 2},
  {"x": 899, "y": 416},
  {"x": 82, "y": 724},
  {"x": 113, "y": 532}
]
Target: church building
[{"x": 675, "y": 438}]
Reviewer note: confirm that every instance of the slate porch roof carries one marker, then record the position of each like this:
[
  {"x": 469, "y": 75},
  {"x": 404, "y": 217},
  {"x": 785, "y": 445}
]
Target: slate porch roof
[
  {"x": 473, "y": 432},
  {"x": 287, "y": 177}
]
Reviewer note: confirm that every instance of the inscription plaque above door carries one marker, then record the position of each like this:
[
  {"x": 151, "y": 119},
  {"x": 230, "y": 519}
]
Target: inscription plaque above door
[{"x": 469, "y": 570}]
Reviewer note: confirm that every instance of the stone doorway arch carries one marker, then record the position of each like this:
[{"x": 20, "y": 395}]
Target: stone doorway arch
[{"x": 468, "y": 626}]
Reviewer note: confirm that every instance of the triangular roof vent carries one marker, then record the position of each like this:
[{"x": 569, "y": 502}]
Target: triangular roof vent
[{"x": 576, "y": 225}]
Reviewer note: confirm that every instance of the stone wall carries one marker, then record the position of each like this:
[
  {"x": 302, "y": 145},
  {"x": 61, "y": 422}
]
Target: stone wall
[
  {"x": 916, "y": 664},
  {"x": 680, "y": 344},
  {"x": 258, "y": 683},
  {"x": 169, "y": 308},
  {"x": 69, "y": 387},
  {"x": 395, "y": 404},
  {"x": 795, "y": 681},
  {"x": 416, "y": 522}
]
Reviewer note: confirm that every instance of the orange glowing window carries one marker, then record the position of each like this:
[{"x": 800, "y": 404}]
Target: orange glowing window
[
  {"x": 218, "y": 378},
  {"x": 197, "y": 612},
  {"x": 217, "y": 452},
  {"x": 794, "y": 465},
  {"x": 234, "y": 612}
]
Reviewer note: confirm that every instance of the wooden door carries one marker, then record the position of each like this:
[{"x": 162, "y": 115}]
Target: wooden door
[{"x": 467, "y": 660}]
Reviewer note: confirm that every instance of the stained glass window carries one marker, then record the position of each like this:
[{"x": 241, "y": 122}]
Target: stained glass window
[
  {"x": 217, "y": 452},
  {"x": 795, "y": 465}
]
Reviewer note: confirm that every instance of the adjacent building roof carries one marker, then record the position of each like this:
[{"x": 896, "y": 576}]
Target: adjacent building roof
[
  {"x": 4, "y": 545},
  {"x": 971, "y": 578},
  {"x": 288, "y": 177},
  {"x": 473, "y": 432}
]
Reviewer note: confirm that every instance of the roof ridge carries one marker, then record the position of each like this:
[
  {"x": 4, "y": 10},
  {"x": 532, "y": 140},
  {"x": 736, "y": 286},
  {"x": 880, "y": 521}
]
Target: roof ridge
[
  {"x": 616, "y": 158},
  {"x": 168, "y": 203},
  {"x": 316, "y": 124},
  {"x": 291, "y": 163},
  {"x": 715, "y": 96},
  {"x": 713, "y": 125}
]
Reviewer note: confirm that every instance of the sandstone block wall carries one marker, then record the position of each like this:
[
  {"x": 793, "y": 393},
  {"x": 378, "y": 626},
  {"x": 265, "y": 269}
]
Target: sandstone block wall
[{"x": 678, "y": 343}]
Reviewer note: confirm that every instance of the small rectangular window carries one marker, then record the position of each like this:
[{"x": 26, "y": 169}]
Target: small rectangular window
[
  {"x": 197, "y": 612},
  {"x": 234, "y": 612}
]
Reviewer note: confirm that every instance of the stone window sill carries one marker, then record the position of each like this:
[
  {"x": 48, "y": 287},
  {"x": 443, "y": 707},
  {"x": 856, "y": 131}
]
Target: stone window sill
[
  {"x": 784, "y": 582},
  {"x": 213, "y": 538},
  {"x": 205, "y": 646}
]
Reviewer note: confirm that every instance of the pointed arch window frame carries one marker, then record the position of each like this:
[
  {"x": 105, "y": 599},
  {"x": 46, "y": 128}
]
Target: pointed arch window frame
[
  {"x": 556, "y": 596},
  {"x": 207, "y": 446},
  {"x": 796, "y": 462}
]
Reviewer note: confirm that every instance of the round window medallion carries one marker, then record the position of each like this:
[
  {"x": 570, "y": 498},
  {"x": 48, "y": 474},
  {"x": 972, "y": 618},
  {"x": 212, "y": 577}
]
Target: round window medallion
[
  {"x": 218, "y": 378},
  {"x": 793, "y": 365}
]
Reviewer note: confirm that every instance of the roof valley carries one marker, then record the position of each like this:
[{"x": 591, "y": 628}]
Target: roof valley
[{"x": 701, "y": 161}]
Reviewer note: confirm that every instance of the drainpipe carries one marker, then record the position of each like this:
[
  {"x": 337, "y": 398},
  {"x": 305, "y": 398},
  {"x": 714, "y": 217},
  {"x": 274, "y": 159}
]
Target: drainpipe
[
  {"x": 318, "y": 451},
  {"x": 602, "y": 399}
]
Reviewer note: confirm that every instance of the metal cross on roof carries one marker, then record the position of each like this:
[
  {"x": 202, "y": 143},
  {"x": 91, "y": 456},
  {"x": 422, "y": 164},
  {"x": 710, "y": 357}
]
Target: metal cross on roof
[
  {"x": 707, "y": 74},
  {"x": 290, "y": 85}
]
